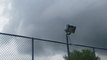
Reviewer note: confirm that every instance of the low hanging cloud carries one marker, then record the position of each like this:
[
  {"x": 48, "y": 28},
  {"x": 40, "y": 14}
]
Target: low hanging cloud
[{"x": 48, "y": 18}]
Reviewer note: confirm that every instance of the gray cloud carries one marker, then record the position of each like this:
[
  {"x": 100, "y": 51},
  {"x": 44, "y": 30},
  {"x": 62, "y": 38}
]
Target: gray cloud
[{"x": 48, "y": 18}]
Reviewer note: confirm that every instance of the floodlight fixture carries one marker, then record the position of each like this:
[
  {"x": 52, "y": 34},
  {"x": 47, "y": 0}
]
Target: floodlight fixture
[{"x": 70, "y": 29}]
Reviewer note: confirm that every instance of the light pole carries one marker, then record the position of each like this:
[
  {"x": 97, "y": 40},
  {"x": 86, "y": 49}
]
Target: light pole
[{"x": 69, "y": 29}]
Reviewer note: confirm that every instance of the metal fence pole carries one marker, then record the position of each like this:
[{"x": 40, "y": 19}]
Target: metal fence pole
[
  {"x": 32, "y": 49},
  {"x": 94, "y": 51},
  {"x": 68, "y": 47}
]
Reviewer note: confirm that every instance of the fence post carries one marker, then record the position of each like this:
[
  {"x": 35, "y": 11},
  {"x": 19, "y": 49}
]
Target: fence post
[
  {"x": 94, "y": 51},
  {"x": 68, "y": 47},
  {"x": 32, "y": 49}
]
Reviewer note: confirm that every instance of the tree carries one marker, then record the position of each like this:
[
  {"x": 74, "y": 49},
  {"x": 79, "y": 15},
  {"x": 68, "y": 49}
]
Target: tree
[{"x": 85, "y": 54}]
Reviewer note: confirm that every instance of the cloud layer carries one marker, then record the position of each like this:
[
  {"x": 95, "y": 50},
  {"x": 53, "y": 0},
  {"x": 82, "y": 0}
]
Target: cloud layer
[{"x": 48, "y": 18}]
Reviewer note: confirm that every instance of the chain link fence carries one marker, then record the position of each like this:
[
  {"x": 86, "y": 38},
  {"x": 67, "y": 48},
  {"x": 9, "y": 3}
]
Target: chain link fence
[{"x": 16, "y": 47}]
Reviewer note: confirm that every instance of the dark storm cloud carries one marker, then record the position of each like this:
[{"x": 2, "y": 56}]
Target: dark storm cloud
[
  {"x": 47, "y": 19},
  {"x": 93, "y": 26}
]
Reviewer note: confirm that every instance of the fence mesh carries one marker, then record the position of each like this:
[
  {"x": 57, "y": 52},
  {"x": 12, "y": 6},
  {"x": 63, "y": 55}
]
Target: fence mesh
[
  {"x": 13, "y": 47},
  {"x": 49, "y": 51}
]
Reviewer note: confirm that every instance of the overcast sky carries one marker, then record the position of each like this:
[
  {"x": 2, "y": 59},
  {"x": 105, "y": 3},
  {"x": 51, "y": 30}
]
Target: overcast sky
[{"x": 48, "y": 18}]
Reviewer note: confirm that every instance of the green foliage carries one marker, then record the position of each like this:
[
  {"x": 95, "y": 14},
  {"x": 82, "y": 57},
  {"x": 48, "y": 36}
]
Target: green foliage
[{"x": 82, "y": 55}]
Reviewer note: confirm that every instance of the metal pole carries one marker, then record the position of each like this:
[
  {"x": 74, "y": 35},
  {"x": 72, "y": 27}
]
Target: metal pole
[
  {"x": 68, "y": 47},
  {"x": 32, "y": 49},
  {"x": 94, "y": 51}
]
